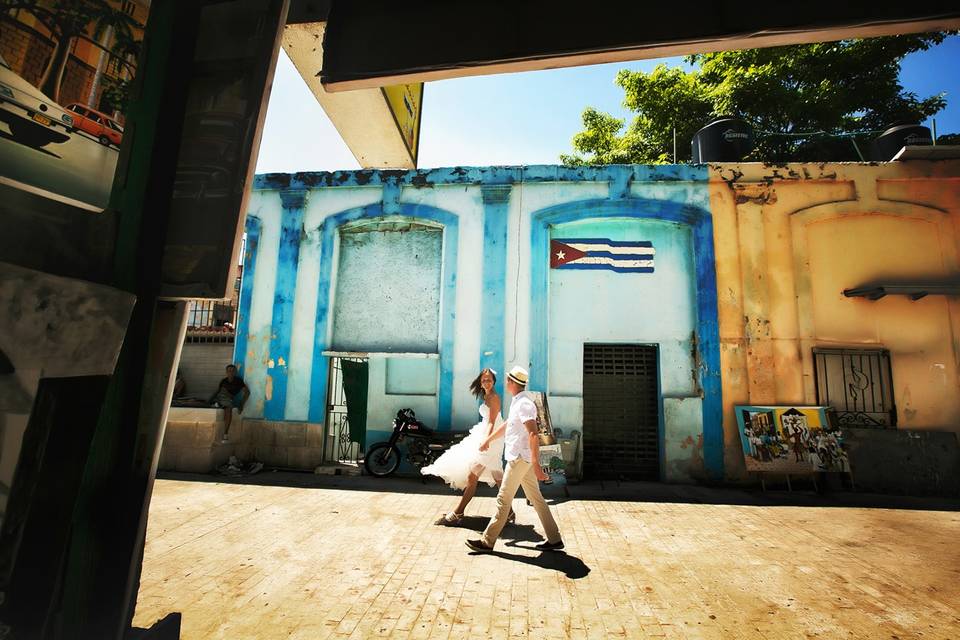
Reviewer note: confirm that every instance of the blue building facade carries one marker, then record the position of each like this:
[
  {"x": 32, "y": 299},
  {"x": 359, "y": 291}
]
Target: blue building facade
[{"x": 431, "y": 275}]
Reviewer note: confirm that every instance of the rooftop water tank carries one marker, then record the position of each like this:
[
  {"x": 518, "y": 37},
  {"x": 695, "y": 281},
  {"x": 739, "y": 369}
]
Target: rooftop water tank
[
  {"x": 723, "y": 140},
  {"x": 895, "y": 138}
]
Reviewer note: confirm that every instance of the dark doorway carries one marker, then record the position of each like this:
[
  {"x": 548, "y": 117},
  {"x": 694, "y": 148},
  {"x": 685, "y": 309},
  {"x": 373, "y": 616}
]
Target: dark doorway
[{"x": 621, "y": 411}]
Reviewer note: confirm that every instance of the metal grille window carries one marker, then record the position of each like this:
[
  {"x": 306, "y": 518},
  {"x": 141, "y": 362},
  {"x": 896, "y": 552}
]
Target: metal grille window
[
  {"x": 211, "y": 321},
  {"x": 621, "y": 421},
  {"x": 857, "y": 384}
]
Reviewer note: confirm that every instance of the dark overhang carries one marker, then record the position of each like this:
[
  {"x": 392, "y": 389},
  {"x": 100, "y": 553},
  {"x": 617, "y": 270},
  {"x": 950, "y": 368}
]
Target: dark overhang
[
  {"x": 308, "y": 11},
  {"x": 912, "y": 291},
  {"x": 381, "y": 42}
]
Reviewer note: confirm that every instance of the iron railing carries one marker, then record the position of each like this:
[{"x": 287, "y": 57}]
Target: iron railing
[
  {"x": 858, "y": 385},
  {"x": 211, "y": 321}
]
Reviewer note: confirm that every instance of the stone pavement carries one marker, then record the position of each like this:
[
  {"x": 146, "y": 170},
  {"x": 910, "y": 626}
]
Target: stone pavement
[{"x": 313, "y": 557}]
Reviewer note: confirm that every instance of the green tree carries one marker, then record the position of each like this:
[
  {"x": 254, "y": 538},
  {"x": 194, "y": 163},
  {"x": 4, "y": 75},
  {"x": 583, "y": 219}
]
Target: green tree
[
  {"x": 831, "y": 88},
  {"x": 115, "y": 97},
  {"x": 115, "y": 31}
]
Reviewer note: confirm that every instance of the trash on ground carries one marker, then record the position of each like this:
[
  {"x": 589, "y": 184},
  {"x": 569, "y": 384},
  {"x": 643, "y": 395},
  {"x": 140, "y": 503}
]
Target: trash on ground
[{"x": 235, "y": 468}]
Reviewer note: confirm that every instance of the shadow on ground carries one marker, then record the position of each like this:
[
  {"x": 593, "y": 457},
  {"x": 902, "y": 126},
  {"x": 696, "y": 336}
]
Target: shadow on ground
[
  {"x": 524, "y": 536},
  {"x": 512, "y": 533},
  {"x": 571, "y": 566},
  {"x": 655, "y": 492}
]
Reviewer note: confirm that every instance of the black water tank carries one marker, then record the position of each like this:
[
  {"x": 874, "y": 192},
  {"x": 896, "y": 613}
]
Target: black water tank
[
  {"x": 895, "y": 138},
  {"x": 724, "y": 140}
]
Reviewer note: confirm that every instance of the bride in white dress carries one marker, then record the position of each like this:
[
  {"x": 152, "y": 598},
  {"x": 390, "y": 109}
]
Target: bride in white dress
[{"x": 464, "y": 464}]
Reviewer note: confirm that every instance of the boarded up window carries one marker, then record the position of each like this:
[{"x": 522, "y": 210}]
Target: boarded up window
[{"x": 388, "y": 288}]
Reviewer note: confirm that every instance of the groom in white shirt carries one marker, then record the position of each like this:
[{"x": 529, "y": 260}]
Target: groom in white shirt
[{"x": 522, "y": 453}]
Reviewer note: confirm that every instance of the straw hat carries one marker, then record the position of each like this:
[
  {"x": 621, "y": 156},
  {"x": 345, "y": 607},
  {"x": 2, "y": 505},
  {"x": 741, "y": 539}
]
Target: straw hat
[{"x": 518, "y": 375}]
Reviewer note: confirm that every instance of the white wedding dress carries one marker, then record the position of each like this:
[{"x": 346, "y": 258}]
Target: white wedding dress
[{"x": 455, "y": 464}]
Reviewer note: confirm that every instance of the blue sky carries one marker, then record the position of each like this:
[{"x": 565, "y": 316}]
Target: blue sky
[{"x": 521, "y": 118}]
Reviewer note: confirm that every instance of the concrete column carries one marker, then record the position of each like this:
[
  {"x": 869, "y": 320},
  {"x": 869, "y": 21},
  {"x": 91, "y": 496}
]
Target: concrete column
[
  {"x": 252, "y": 227},
  {"x": 288, "y": 260},
  {"x": 496, "y": 203}
]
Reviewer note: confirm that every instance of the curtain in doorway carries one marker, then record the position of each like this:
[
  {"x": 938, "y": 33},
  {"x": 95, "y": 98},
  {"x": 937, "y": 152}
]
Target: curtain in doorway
[{"x": 355, "y": 377}]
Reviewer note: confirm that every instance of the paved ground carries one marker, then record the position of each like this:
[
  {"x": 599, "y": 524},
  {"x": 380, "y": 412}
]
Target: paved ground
[{"x": 313, "y": 557}]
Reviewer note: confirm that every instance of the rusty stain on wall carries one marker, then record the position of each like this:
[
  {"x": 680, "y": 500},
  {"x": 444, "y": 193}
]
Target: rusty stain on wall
[
  {"x": 755, "y": 193},
  {"x": 696, "y": 458}
]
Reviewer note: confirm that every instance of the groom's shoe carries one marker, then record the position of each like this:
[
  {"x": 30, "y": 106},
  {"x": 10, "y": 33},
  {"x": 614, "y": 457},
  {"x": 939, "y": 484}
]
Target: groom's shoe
[
  {"x": 479, "y": 546},
  {"x": 550, "y": 546}
]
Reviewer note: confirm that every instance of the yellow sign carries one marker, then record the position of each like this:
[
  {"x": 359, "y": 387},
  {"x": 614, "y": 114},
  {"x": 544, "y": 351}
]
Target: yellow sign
[{"x": 405, "y": 101}]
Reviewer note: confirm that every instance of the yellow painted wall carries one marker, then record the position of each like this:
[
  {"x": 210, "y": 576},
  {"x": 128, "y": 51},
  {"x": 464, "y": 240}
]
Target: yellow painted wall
[{"x": 790, "y": 238}]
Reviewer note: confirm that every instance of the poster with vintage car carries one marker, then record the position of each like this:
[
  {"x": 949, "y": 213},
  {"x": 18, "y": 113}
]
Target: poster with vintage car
[
  {"x": 66, "y": 72},
  {"x": 790, "y": 440}
]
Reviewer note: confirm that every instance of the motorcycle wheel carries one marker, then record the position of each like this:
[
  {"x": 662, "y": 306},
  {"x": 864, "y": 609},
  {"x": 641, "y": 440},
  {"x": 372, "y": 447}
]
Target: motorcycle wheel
[{"x": 382, "y": 459}]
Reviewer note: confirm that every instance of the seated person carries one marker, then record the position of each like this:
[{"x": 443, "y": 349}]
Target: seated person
[
  {"x": 232, "y": 392},
  {"x": 180, "y": 386}
]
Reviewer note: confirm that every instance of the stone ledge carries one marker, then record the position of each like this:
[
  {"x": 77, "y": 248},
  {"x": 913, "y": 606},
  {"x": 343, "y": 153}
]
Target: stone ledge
[{"x": 192, "y": 442}]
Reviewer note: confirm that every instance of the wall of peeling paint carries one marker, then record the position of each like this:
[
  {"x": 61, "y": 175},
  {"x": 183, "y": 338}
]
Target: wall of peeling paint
[
  {"x": 495, "y": 303},
  {"x": 647, "y": 308},
  {"x": 762, "y": 256},
  {"x": 791, "y": 238}
]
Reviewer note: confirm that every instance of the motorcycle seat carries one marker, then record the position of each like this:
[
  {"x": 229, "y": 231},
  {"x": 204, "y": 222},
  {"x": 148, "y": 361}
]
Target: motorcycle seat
[{"x": 444, "y": 436}]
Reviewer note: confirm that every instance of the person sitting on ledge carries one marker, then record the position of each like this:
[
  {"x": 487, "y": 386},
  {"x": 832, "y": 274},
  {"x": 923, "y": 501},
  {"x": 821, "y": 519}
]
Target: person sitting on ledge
[
  {"x": 179, "y": 386},
  {"x": 232, "y": 392}
]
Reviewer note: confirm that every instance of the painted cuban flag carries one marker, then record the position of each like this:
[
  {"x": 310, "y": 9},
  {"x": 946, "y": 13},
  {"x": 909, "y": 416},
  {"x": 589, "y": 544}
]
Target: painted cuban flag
[{"x": 602, "y": 253}]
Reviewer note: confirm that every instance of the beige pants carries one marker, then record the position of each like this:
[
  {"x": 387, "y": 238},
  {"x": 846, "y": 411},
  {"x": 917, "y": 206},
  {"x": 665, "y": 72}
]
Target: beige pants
[{"x": 520, "y": 473}]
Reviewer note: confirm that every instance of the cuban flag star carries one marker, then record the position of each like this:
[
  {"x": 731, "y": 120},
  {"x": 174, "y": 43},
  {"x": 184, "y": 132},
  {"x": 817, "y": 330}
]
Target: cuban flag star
[{"x": 602, "y": 253}]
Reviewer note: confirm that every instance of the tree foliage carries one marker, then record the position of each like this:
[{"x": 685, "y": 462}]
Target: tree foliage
[
  {"x": 116, "y": 95},
  {"x": 786, "y": 93}
]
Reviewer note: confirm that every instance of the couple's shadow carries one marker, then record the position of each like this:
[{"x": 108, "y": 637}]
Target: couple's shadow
[{"x": 524, "y": 536}]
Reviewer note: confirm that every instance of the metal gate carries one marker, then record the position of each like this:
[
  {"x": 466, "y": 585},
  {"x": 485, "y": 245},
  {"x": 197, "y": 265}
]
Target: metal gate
[
  {"x": 338, "y": 446},
  {"x": 857, "y": 384},
  {"x": 621, "y": 411}
]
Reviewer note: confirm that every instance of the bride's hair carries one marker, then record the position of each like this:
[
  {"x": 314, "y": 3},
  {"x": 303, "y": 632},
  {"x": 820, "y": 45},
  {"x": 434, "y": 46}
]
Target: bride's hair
[{"x": 475, "y": 387}]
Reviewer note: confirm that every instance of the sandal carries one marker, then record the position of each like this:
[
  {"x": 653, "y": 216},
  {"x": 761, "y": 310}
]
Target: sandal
[
  {"x": 449, "y": 519},
  {"x": 512, "y": 518}
]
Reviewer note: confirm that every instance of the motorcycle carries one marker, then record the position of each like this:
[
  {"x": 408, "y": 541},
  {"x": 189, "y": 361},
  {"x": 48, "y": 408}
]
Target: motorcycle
[{"x": 423, "y": 445}]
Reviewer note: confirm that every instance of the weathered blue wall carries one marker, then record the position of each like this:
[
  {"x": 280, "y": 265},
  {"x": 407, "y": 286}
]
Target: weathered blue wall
[
  {"x": 587, "y": 306},
  {"x": 499, "y": 305}
]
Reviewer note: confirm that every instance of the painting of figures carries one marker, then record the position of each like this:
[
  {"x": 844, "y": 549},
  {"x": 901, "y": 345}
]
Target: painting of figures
[{"x": 784, "y": 439}]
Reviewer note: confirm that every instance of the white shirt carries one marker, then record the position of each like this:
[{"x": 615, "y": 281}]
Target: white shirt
[{"x": 516, "y": 439}]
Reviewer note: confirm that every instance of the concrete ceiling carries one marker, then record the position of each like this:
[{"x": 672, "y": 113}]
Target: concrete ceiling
[{"x": 379, "y": 42}]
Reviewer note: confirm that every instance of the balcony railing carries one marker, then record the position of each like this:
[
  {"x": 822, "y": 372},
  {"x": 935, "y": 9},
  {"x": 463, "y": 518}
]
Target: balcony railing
[{"x": 211, "y": 321}]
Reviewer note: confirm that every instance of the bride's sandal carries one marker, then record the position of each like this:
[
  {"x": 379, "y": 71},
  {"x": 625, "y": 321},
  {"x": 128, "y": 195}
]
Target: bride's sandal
[{"x": 449, "y": 519}]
